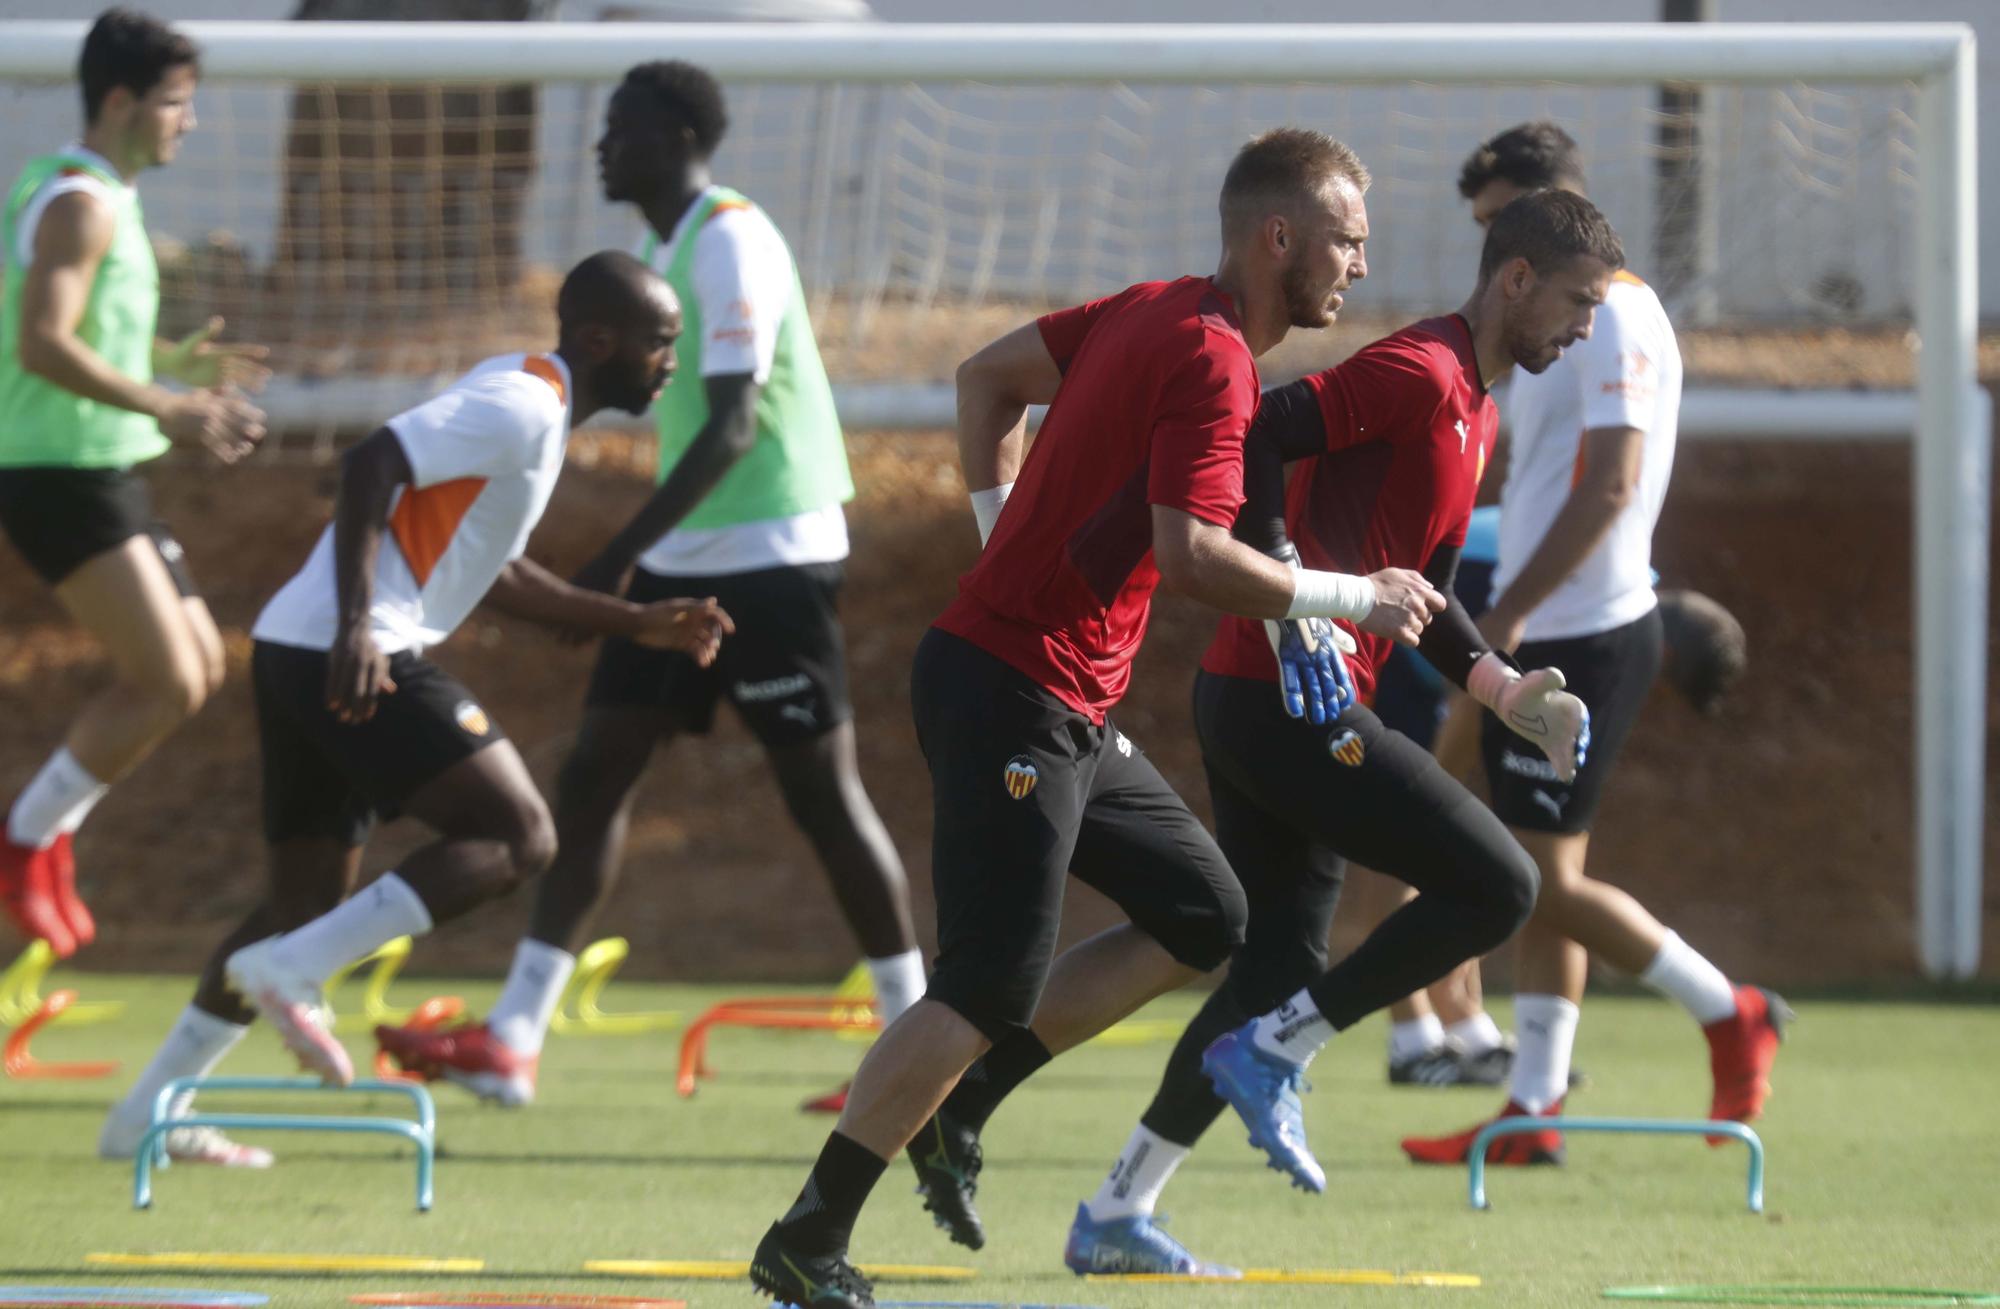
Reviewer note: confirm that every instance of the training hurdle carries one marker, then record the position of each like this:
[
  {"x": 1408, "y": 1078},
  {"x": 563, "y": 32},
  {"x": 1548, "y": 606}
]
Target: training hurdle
[
  {"x": 821, "y": 1013},
  {"x": 19, "y": 1063},
  {"x": 579, "y": 1011},
  {"x": 23, "y": 1008},
  {"x": 1475, "y": 1181},
  {"x": 21, "y": 991},
  {"x": 420, "y": 1131}
]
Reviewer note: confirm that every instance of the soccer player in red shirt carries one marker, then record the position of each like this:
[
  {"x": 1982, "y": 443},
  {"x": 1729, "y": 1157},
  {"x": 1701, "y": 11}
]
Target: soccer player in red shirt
[
  {"x": 1397, "y": 438},
  {"x": 1136, "y": 476}
]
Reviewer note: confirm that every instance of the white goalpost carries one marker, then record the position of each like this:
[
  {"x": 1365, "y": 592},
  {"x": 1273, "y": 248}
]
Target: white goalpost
[{"x": 914, "y": 179}]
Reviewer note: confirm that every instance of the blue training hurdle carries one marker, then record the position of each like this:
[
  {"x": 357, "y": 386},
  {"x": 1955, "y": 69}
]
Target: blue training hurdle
[
  {"x": 420, "y": 1131},
  {"x": 1476, "y": 1163}
]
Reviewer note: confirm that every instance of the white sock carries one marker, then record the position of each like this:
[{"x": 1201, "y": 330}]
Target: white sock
[
  {"x": 54, "y": 802},
  {"x": 193, "y": 1048},
  {"x": 1294, "y": 1031},
  {"x": 1546, "y": 1027},
  {"x": 521, "y": 1016},
  {"x": 384, "y": 910},
  {"x": 1415, "y": 1038},
  {"x": 1138, "y": 1177},
  {"x": 1679, "y": 972},
  {"x": 899, "y": 983},
  {"x": 1477, "y": 1034}
]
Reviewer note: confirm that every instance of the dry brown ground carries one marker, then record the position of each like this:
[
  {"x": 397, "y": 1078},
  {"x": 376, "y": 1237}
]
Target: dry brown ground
[{"x": 1777, "y": 837}]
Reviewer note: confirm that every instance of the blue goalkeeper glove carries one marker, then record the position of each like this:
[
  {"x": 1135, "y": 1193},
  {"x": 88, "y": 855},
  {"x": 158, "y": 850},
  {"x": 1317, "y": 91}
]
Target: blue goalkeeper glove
[{"x": 1312, "y": 677}]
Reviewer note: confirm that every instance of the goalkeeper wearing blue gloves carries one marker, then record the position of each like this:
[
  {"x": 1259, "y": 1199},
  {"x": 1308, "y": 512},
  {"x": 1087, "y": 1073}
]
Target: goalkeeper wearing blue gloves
[{"x": 1394, "y": 441}]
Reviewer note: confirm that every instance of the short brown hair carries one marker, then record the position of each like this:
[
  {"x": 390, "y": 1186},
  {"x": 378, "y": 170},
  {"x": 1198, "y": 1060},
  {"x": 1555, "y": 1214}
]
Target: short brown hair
[
  {"x": 1548, "y": 229},
  {"x": 129, "y": 49},
  {"x": 1283, "y": 170}
]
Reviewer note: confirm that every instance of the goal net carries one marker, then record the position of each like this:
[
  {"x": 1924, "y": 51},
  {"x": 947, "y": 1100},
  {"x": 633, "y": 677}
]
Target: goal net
[{"x": 384, "y": 235}]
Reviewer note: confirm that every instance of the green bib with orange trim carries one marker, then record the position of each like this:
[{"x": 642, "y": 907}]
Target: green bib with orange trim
[{"x": 799, "y": 462}]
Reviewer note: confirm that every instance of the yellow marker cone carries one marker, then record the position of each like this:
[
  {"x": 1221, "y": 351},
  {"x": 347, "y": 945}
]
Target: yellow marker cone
[
  {"x": 579, "y": 1013},
  {"x": 21, "y": 992},
  {"x": 375, "y": 1008}
]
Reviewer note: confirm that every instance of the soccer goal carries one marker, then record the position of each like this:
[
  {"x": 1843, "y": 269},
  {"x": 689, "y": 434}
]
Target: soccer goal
[{"x": 386, "y": 203}]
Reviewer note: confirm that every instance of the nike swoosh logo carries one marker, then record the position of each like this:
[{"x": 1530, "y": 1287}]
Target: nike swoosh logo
[{"x": 1538, "y": 724}]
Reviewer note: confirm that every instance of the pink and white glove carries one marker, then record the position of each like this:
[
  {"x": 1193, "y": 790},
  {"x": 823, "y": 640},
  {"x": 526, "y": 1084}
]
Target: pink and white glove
[{"x": 1535, "y": 706}]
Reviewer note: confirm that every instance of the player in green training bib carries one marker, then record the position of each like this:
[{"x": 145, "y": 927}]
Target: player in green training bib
[
  {"x": 78, "y": 409},
  {"x": 753, "y": 474}
]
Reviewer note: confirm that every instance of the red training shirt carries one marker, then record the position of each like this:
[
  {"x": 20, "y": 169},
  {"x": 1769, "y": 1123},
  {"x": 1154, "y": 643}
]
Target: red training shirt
[
  {"x": 1409, "y": 428},
  {"x": 1158, "y": 390}
]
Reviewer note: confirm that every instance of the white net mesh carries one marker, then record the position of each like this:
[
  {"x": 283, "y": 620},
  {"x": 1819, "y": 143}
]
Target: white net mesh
[{"x": 378, "y": 232}]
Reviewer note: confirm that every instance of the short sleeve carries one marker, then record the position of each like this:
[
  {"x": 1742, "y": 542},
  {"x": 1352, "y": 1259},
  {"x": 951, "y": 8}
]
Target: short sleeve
[
  {"x": 1619, "y": 371},
  {"x": 490, "y": 426},
  {"x": 1197, "y": 445},
  {"x": 742, "y": 278},
  {"x": 1063, "y": 331},
  {"x": 1388, "y": 391}
]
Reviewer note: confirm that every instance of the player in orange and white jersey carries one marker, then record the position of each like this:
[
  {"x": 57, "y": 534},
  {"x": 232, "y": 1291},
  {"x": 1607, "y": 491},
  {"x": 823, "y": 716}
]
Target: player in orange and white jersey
[
  {"x": 432, "y": 517},
  {"x": 1593, "y": 447}
]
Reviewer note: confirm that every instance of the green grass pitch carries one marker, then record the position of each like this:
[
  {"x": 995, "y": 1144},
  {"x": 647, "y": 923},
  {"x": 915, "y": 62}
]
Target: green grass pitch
[{"x": 1884, "y": 1147}]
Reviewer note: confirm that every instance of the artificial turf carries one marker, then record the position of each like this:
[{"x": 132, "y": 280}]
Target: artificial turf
[{"x": 1884, "y": 1146}]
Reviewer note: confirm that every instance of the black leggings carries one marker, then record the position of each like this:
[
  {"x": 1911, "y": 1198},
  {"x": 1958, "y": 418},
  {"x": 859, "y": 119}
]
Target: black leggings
[{"x": 1291, "y": 801}]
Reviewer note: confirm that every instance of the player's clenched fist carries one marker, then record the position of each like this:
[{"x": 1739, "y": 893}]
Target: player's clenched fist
[
  {"x": 695, "y": 626},
  {"x": 1404, "y": 605}
]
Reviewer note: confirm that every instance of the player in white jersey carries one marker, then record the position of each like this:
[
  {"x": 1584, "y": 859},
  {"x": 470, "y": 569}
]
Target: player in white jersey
[
  {"x": 432, "y": 517},
  {"x": 1593, "y": 445},
  {"x": 753, "y": 473}
]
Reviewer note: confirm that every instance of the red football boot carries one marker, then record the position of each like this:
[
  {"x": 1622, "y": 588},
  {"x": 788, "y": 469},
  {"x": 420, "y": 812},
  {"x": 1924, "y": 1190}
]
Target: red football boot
[
  {"x": 75, "y": 914},
  {"x": 28, "y": 894},
  {"x": 1741, "y": 1049},
  {"x": 1526, "y": 1148},
  {"x": 833, "y": 1102},
  {"x": 470, "y": 1055}
]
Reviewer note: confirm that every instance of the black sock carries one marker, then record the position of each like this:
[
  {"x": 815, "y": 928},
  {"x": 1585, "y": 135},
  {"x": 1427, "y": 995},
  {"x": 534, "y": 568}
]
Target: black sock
[
  {"x": 1186, "y": 1105},
  {"x": 821, "y": 1220},
  {"x": 993, "y": 1077}
]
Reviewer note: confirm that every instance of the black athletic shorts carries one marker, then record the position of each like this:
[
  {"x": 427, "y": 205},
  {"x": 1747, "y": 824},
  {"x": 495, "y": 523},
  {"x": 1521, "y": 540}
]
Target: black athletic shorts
[
  {"x": 326, "y": 778},
  {"x": 1024, "y": 790},
  {"x": 785, "y": 668},
  {"x": 62, "y": 518},
  {"x": 1292, "y": 799},
  {"x": 1611, "y": 673}
]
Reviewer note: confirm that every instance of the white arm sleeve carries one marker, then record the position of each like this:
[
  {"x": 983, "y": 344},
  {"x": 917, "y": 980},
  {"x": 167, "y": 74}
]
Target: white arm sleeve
[
  {"x": 743, "y": 278},
  {"x": 1619, "y": 371},
  {"x": 489, "y": 426}
]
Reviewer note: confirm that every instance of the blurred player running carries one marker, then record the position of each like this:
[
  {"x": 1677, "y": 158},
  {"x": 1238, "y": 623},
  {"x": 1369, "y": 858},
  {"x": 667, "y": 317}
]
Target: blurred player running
[
  {"x": 433, "y": 515},
  {"x": 1396, "y": 439},
  {"x": 1135, "y": 477},
  {"x": 753, "y": 473},
  {"x": 78, "y": 409},
  {"x": 1593, "y": 448}
]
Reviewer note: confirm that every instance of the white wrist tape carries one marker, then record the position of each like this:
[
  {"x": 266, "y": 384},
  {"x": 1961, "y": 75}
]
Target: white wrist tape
[
  {"x": 986, "y": 507},
  {"x": 1490, "y": 676},
  {"x": 1320, "y": 594}
]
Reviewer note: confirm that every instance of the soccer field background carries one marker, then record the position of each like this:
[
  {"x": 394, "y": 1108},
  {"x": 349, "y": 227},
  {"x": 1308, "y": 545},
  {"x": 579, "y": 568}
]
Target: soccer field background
[{"x": 1882, "y": 1139}]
